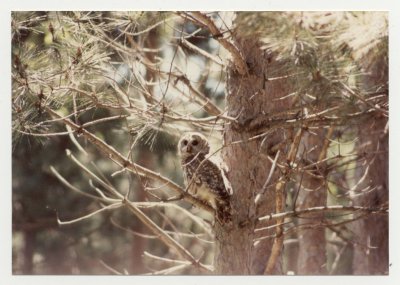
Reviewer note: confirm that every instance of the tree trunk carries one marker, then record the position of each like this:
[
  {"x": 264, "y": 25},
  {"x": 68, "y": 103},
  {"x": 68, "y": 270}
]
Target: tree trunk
[
  {"x": 312, "y": 243},
  {"x": 249, "y": 99},
  {"x": 138, "y": 244},
  {"x": 145, "y": 158},
  {"x": 371, "y": 253},
  {"x": 29, "y": 250}
]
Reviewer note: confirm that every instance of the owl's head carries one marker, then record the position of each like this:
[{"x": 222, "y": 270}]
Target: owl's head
[{"x": 192, "y": 144}]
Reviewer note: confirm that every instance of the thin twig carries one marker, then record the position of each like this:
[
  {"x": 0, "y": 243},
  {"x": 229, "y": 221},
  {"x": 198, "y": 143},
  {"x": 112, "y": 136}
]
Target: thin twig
[
  {"x": 201, "y": 52},
  {"x": 73, "y": 188},
  {"x": 264, "y": 188},
  {"x": 102, "y": 120},
  {"x": 200, "y": 98},
  {"x": 165, "y": 259},
  {"x": 169, "y": 270},
  {"x": 116, "y": 272},
  {"x": 74, "y": 141},
  {"x": 360, "y": 97},
  {"x": 94, "y": 176},
  {"x": 108, "y": 207}
]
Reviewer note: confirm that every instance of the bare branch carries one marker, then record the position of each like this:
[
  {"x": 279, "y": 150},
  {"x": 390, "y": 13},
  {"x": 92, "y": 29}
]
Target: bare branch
[
  {"x": 165, "y": 238},
  {"x": 149, "y": 236},
  {"x": 194, "y": 48},
  {"x": 160, "y": 233},
  {"x": 108, "y": 207},
  {"x": 264, "y": 188},
  {"x": 165, "y": 259},
  {"x": 110, "y": 268},
  {"x": 94, "y": 176},
  {"x": 337, "y": 258},
  {"x": 110, "y": 152},
  {"x": 278, "y": 241},
  {"x": 148, "y": 29},
  {"x": 73, "y": 188},
  {"x": 313, "y": 225},
  {"x": 240, "y": 63},
  {"x": 74, "y": 141},
  {"x": 46, "y": 134},
  {"x": 102, "y": 120},
  {"x": 169, "y": 270},
  {"x": 324, "y": 209}
]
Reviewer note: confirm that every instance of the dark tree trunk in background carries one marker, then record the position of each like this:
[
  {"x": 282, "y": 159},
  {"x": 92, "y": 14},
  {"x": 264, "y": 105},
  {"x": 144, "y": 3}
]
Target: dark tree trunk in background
[
  {"x": 145, "y": 158},
  {"x": 312, "y": 243},
  {"x": 250, "y": 99},
  {"x": 29, "y": 250},
  {"x": 373, "y": 232}
]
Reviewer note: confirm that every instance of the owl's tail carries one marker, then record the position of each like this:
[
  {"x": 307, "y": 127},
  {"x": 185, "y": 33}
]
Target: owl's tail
[{"x": 224, "y": 215}]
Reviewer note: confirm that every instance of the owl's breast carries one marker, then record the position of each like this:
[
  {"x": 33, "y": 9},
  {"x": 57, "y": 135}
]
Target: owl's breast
[{"x": 203, "y": 192}]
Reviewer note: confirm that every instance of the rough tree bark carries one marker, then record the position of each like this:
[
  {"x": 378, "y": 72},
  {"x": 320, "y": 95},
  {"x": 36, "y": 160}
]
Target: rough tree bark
[{"x": 249, "y": 99}]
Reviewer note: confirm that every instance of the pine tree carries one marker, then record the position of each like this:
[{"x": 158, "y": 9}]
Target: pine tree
[{"x": 294, "y": 103}]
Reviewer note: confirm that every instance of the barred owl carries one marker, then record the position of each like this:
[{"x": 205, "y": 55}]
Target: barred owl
[{"x": 203, "y": 177}]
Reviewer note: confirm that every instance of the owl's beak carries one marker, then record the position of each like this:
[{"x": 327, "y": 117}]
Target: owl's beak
[{"x": 188, "y": 148}]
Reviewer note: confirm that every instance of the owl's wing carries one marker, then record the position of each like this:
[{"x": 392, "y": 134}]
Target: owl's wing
[
  {"x": 227, "y": 184},
  {"x": 212, "y": 175}
]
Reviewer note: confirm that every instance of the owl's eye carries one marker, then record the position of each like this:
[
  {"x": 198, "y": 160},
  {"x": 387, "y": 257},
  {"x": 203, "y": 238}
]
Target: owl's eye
[
  {"x": 185, "y": 142},
  {"x": 195, "y": 142}
]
